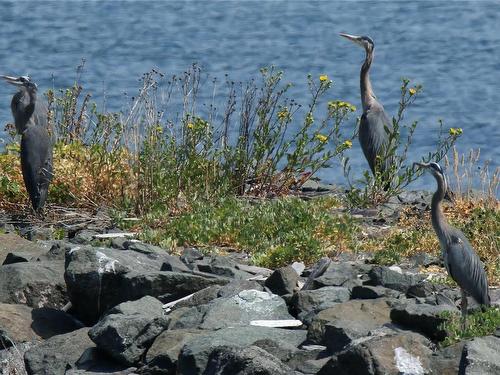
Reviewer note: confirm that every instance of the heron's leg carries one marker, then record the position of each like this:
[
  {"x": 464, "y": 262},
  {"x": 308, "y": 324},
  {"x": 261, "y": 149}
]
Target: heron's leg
[{"x": 463, "y": 307}]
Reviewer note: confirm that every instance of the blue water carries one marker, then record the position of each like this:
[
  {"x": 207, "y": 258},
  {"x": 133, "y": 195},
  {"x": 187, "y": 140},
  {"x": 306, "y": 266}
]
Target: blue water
[{"x": 451, "y": 47}]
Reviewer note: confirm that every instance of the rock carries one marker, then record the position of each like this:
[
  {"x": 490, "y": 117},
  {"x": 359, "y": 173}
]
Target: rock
[
  {"x": 200, "y": 297},
  {"x": 236, "y": 286},
  {"x": 283, "y": 281},
  {"x": 161, "y": 357},
  {"x": 95, "y": 362},
  {"x": 422, "y": 317},
  {"x": 119, "y": 243},
  {"x": 100, "y": 278},
  {"x": 392, "y": 279},
  {"x": 12, "y": 358},
  {"x": 57, "y": 354},
  {"x": 339, "y": 325},
  {"x": 299, "y": 267},
  {"x": 312, "y": 366},
  {"x": 406, "y": 353},
  {"x": 187, "y": 317},
  {"x": 36, "y": 284},
  {"x": 446, "y": 361},
  {"x": 58, "y": 250},
  {"x": 246, "y": 306},
  {"x": 425, "y": 260},
  {"x": 252, "y": 360},
  {"x": 306, "y": 301},
  {"x": 84, "y": 237},
  {"x": 372, "y": 292},
  {"x": 193, "y": 358},
  {"x": 481, "y": 356},
  {"x": 222, "y": 266},
  {"x": 128, "y": 329},
  {"x": 190, "y": 255},
  {"x": 346, "y": 274},
  {"x": 12, "y": 243}
]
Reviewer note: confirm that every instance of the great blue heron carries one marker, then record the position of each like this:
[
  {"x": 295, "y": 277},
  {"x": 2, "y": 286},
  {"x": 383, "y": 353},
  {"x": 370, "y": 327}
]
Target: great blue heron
[
  {"x": 30, "y": 117},
  {"x": 373, "y": 137},
  {"x": 460, "y": 259}
]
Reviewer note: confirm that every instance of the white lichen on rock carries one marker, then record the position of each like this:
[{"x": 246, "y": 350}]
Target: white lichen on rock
[
  {"x": 406, "y": 363},
  {"x": 106, "y": 264}
]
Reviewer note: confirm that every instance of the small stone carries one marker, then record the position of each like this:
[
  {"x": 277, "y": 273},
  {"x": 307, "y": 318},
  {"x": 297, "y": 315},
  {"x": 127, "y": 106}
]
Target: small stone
[
  {"x": 482, "y": 356},
  {"x": 282, "y": 281}
]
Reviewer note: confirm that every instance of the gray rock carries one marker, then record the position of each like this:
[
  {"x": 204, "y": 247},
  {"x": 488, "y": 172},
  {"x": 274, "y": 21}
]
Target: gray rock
[
  {"x": 422, "y": 317},
  {"x": 190, "y": 255},
  {"x": 11, "y": 242},
  {"x": 12, "y": 358},
  {"x": 481, "y": 356},
  {"x": 84, "y": 237},
  {"x": 246, "y": 306},
  {"x": 187, "y": 317},
  {"x": 119, "y": 243},
  {"x": 406, "y": 353},
  {"x": 339, "y": 325},
  {"x": 57, "y": 354},
  {"x": 282, "y": 281},
  {"x": 200, "y": 297},
  {"x": 161, "y": 357},
  {"x": 392, "y": 279},
  {"x": 316, "y": 300},
  {"x": 236, "y": 286},
  {"x": 252, "y": 360},
  {"x": 347, "y": 274},
  {"x": 100, "y": 278},
  {"x": 446, "y": 361},
  {"x": 372, "y": 292},
  {"x": 36, "y": 284},
  {"x": 128, "y": 329},
  {"x": 57, "y": 250},
  {"x": 193, "y": 358},
  {"x": 94, "y": 361},
  {"x": 222, "y": 266}
]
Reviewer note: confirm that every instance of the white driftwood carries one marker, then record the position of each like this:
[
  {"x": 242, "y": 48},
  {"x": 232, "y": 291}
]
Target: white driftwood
[
  {"x": 254, "y": 269},
  {"x": 115, "y": 235},
  {"x": 257, "y": 278},
  {"x": 168, "y": 306},
  {"x": 276, "y": 323}
]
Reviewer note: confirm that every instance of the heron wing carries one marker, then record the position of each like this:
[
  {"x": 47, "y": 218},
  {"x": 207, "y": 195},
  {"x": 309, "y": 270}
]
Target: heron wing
[
  {"x": 36, "y": 163},
  {"x": 466, "y": 268},
  {"x": 372, "y": 135}
]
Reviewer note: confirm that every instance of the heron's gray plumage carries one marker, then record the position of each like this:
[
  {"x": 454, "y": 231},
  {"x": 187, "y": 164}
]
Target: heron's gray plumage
[
  {"x": 373, "y": 137},
  {"x": 30, "y": 117},
  {"x": 460, "y": 259}
]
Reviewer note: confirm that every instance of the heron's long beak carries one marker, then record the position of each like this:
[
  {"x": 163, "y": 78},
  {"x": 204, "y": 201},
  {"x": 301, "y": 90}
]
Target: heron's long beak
[
  {"x": 12, "y": 80},
  {"x": 353, "y": 38},
  {"x": 422, "y": 165}
]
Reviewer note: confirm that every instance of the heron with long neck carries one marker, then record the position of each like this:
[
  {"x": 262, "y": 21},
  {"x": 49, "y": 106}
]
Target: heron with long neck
[
  {"x": 460, "y": 259},
  {"x": 373, "y": 137},
  {"x": 30, "y": 117}
]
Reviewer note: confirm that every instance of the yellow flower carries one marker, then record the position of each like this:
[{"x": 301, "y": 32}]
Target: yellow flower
[
  {"x": 190, "y": 125},
  {"x": 338, "y": 104},
  {"x": 283, "y": 115},
  {"x": 347, "y": 144},
  {"x": 322, "y": 138},
  {"x": 323, "y": 78},
  {"x": 412, "y": 91},
  {"x": 455, "y": 131}
]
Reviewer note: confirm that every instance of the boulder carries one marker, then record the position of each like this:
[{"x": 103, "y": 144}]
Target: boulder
[
  {"x": 282, "y": 281},
  {"x": 12, "y": 243},
  {"x": 36, "y": 284},
  {"x": 252, "y": 360},
  {"x": 12, "y": 358},
  {"x": 57, "y": 354},
  {"x": 422, "y": 317},
  {"x": 346, "y": 274},
  {"x": 339, "y": 325},
  {"x": 306, "y": 301},
  {"x": 236, "y": 286},
  {"x": 481, "y": 356},
  {"x": 446, "y": 361},
  {"x": 100, "y": 278},
  {"x": 393, "y": 279},
  {"x": 194, "y": 356},
  {"x": 372, "y": 292},
  {"x": 190, "y": 255},
  {"x": 222, "y": 266},
  {"x": 387, "y": 354},
  {"x": 127, "y": 330}
]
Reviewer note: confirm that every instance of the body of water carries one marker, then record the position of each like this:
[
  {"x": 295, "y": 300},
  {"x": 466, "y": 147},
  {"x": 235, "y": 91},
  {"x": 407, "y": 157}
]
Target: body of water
[{"x": 451, "y": 47}]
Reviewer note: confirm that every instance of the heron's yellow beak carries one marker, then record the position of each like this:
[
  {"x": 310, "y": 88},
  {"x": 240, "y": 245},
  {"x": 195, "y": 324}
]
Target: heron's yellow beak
[{"x": 353, "y": 38}]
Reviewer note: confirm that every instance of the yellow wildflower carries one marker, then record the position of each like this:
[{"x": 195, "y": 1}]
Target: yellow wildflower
[
  {"x": 283, "y": 115},
  {"x": 347, "y": 144},
  {"x": 455, "y": 131},
  {"x": 323, "y": 78},
  {"x": 322, "y": 138},
  {"x": 338, "y": 104},
  {"x": 412, "y": 91},
  {"x": 190, "y": 125}
]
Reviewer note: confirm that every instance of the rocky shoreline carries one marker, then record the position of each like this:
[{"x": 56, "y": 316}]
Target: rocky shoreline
[{"x": 78, "y": 306}]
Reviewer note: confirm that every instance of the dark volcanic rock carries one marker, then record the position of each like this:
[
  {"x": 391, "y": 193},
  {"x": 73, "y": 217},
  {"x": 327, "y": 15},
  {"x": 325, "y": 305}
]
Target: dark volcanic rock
[
  {"x": 15, "y": 324},
  {"x": 36, "y": 284},
  {"x": 481, "y": 356},
  {"x": 100, "y": 278},
  {"x": 128, "y": 329},
  {"x": 446, "y": 361},
  {"x": 422, "y": 317},
  {"x": 406, "y": 353},
  {"x": 252, "y": 360},
  {"x": 388, "y": 278},
  {"x": 222, "y": 266},
  {"x": 12, "y": 243},
  {"x": 190, "y": 255},
  {"x": 337, "y": 326},
  {"x": 347, "y": 274},
  {"x": 187, "y": 317},
  {"x": 194, "y": 355},
  {"x": 282, "y": 281},
  {"x": 57, "y": 354},
  {"x": 236, "y": 286},
  {"x": 316, "y": 300},
  {"x": 372, "y": 292}
]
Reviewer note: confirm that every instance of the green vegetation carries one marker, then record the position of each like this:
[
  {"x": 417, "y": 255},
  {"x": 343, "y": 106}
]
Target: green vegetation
[{"x": 479, "y": 323}]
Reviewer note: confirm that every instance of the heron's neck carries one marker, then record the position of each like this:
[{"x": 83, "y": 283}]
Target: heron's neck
[
  {"x": 439, "y": 222},
  {"x": 367, "y": 95}
]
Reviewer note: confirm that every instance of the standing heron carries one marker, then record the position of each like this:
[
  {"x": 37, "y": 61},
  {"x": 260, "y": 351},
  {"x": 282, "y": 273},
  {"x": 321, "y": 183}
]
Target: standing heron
[
  {"x": 30, "y": 117},
  {"x": 373, "y": 137},
  {"x": 460, "y": 259}
]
